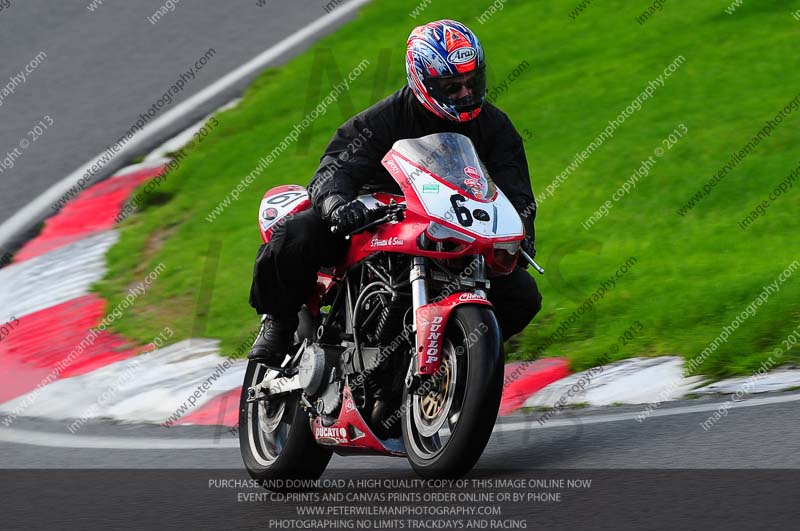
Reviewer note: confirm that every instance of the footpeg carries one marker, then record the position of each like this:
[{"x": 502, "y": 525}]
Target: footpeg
[{"x": 255, "y": 394}]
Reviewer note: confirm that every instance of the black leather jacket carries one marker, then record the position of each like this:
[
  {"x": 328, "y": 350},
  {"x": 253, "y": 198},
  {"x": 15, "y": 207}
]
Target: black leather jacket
[{"x": 351, "y": 164}]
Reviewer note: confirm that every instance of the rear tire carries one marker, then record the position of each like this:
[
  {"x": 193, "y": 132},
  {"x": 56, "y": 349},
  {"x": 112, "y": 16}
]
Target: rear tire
[
  {"x": 473, "y": 344},
  {"x": 275, "y": 436}
]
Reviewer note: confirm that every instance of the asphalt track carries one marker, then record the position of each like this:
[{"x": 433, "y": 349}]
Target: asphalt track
[
  {"x": 665, "y": 473},
  {"x": 760, "y": 435},
  {"x": 103, "y": 68}
]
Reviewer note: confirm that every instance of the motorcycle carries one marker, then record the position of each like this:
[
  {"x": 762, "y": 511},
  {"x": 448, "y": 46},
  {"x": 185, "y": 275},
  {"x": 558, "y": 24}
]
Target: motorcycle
[{"x": 398, "y": 352}]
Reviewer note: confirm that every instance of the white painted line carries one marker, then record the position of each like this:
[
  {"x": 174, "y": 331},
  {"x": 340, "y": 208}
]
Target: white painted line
[
  {"x": 230, "y": 105},
  {"x": 184, "y": 137},
  {"x": 148, "y": 164},
  {"x": 65, "y": 440},
  {"x": 633, "y": 415},
  {"x": 40, "y": 208},
  {"x": 35, "y": 438}
]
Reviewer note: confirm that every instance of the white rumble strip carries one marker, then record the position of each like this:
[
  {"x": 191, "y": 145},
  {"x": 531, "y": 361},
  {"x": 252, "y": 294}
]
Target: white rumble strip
[
  {"x": 56, "y": 277},
  {"x": 163, "y": 380}
]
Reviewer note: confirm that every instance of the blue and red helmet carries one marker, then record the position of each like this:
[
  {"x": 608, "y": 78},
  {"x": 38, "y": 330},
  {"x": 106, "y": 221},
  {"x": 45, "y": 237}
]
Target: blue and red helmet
[{"x": 446, "y": 69}]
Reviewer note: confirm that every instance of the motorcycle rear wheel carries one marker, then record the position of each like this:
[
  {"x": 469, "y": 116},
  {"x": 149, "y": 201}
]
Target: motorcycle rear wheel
[
  {"x": 275, "y": 435},
  {"x": 446, "y": 430}
]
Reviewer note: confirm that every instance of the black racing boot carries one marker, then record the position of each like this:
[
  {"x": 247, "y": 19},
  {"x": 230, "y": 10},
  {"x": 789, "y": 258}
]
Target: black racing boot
[{"x": 273, "y": 341}]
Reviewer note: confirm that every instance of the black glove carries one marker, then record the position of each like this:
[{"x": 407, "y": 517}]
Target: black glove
[
  {"x": 527, "y": 246},
  {"x": 344, "y": 216}
]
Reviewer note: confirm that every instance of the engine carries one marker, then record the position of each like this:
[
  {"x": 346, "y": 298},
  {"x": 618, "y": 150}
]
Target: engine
[
  {"x": 319, "y": 376},
  {"x": 373, "y": 361}
]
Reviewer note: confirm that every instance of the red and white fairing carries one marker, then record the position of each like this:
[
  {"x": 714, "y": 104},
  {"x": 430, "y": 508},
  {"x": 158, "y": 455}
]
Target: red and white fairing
[
  {"x": 431, "y": 322},
  {"x": 350, "y": 431},
  {"x": 438, "y": 199},
  {"x": 278, "y": 205}
]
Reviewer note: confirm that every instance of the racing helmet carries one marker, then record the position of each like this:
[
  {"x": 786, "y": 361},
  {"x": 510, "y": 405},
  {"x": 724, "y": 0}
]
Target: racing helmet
[{"x": 446, "y": 69}]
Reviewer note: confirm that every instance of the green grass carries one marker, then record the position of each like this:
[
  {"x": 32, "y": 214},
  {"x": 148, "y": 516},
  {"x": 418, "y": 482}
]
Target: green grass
[{"x": 694, "y": 274}]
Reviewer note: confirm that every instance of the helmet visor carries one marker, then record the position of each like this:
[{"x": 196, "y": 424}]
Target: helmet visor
[{"x": 466, "y": 92}]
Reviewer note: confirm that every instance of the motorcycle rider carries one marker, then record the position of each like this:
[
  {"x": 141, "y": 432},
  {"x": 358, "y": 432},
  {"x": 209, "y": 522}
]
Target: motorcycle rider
[{"x": 446, "y": 92}]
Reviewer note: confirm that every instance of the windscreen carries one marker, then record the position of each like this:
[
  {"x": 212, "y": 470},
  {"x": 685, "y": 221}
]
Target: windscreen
[{"x": 452, "y": 158}]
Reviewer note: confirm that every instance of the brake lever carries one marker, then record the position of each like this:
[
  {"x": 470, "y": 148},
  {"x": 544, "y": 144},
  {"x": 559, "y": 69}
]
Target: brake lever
[{"x": 530, "y": 260}]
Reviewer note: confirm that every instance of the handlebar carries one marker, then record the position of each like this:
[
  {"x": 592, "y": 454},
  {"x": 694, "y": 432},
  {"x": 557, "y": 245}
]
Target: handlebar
[{"x": 377, "y": 216}]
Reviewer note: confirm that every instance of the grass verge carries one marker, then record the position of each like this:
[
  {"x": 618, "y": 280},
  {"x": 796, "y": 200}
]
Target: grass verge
[{"x": 694, "y": 273}]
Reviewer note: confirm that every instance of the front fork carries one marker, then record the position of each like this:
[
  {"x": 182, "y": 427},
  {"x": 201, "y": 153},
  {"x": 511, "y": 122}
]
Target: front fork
[{"x": 419, "y": 287}]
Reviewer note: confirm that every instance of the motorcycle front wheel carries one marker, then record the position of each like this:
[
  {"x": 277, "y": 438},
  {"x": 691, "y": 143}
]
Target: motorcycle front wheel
[{"x": 447, "y": 426}]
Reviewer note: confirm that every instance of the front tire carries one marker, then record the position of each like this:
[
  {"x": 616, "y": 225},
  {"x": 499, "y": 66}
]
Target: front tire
[{"x": 446, "y": 430}]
